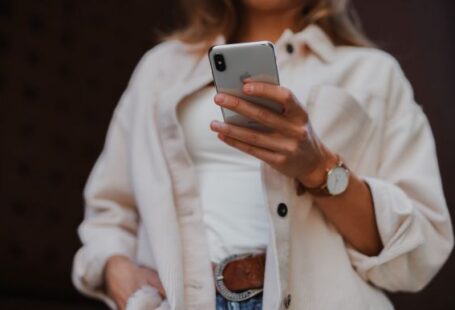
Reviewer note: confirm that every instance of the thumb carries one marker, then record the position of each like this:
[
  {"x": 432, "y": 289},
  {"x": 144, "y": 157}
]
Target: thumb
[{"x": 152, "y": 278}]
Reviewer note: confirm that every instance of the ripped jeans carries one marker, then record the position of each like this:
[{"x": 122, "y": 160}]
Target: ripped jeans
[{"x": 254, "y": 303}]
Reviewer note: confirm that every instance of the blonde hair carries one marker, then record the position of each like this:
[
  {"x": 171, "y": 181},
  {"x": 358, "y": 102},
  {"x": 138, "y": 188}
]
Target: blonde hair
[{"x": 205, "y": 19}]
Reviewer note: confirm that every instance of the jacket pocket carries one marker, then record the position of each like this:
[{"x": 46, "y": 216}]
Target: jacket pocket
[{"x": 341, "y": 121}]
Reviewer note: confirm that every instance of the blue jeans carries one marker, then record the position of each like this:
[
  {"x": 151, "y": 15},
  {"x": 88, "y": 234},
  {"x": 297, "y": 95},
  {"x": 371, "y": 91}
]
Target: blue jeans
[{"x": 254, "y": 303}]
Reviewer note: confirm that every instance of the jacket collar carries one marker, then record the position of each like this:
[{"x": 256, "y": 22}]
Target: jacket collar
[{"x": 312, "y": 36}]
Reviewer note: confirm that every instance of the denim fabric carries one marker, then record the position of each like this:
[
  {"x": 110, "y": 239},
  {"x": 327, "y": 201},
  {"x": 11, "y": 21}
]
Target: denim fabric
[{"x": 254, "y": 303}]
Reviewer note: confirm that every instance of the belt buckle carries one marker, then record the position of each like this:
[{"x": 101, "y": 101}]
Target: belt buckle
[{"x": 221, "y": 287}]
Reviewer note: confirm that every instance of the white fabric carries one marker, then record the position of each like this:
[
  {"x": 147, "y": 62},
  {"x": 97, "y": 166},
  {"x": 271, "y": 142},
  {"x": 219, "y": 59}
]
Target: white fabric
[
  {"x": 229, "y": 181},
  {"x": 146, "y": 298},
  {"x": 361, "y": 106}
]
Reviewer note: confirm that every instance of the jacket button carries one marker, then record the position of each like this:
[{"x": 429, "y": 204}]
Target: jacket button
[
  {"x": 282, "y": 209},
  {"x": 289, "y": 48},
  {"x": 287, "y": 301}
]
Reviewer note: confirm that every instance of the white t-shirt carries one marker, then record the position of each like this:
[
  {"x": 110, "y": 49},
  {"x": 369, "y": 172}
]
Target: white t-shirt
[{"x": 230, "y": 187}]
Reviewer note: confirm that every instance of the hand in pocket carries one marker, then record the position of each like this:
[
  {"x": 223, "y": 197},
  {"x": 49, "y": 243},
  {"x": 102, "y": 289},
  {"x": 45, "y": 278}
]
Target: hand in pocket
[{"x": 123, "y": 277}]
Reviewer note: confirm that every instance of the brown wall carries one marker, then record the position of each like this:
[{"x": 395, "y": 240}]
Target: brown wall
[
  {"x": 421, "y": 35},
  {"x": 63, "y": 66}
]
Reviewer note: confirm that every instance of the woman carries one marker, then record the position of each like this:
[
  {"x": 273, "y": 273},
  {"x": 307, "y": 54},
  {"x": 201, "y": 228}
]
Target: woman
[{"x": 341, "y": 201}]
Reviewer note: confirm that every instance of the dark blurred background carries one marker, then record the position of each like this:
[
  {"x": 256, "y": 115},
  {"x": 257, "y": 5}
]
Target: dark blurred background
[{"x": 63, "y": 66}]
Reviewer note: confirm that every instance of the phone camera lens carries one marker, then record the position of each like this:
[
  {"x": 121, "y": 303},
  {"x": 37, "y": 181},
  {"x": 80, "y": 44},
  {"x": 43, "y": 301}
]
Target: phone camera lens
[{"x": 220, "y": 65}]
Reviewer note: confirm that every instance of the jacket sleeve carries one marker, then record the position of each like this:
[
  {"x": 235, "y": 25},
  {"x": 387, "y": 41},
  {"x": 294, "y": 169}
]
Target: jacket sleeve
[
  {"x": 110, "y": 221},
  {"x": 410, "y": 209}
]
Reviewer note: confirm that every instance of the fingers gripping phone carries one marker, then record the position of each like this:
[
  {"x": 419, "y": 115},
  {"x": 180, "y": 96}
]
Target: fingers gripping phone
[{"x": 232, "y": 63}]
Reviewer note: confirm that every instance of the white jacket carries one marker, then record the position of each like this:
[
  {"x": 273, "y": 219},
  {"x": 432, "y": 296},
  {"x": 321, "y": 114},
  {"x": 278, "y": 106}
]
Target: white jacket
[{"x": 142, "y": 200}]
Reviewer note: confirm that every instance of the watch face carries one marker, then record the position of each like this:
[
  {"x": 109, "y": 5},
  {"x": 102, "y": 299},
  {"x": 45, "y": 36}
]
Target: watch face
[{"x": 337, "y": 180}]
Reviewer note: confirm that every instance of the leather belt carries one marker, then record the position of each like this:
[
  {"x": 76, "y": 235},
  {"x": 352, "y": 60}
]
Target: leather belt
[{"x": 240, "y": 277}]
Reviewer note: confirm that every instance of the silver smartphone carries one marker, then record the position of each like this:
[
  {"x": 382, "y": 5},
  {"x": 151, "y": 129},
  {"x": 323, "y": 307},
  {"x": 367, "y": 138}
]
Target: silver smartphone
[{"x": 232, "y": 63}]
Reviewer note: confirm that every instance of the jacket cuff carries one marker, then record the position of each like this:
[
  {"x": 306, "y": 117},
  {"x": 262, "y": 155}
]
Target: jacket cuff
[
  {"x": 395, "y": 218},
  {"x": 89, "y": 263}
]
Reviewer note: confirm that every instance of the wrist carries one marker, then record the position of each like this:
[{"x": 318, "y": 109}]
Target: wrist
[
  {"x": 113, "y": 262},
  {"x": 117, "y": 258},
  {"x": 317, "y": 177}
]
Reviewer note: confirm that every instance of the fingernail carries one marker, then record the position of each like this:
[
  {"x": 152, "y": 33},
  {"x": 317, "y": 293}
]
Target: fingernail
[
  {"x": 248, "y": 88},
  {"x": 219, "y": 98},
  {"x": 216, "y": 124}
]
